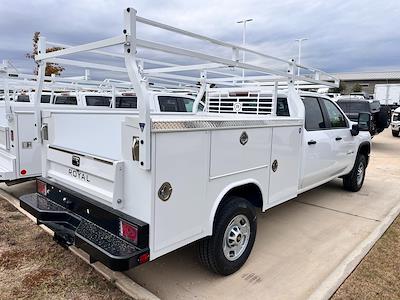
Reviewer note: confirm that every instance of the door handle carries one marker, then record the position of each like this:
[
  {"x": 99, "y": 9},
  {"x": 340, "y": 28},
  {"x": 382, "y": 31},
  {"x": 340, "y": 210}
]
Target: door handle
[
  {"x": 338, "y": 138},
  {"x": 312, "y": 142}
]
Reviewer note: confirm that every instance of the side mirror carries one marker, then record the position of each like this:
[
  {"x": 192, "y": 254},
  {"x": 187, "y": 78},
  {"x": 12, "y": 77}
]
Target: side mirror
[
  {"x": 364, "y": 121},
  {"x": 355, "y": 130}
]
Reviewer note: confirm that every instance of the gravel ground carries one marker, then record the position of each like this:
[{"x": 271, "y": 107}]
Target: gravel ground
[
  {"x": 378, "y": 274},
  {"x": 32, "y": 266}
]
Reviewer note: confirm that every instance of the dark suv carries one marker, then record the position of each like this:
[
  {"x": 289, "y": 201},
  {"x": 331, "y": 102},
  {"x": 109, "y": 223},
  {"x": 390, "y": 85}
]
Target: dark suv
[{"x": 380, "y": 115}]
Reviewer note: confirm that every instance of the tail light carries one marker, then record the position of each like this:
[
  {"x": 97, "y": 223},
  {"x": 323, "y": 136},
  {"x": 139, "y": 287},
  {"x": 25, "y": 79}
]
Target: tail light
[
  {"x": 128, "y": 231},
  {"x": 41, "y": 187},
  {"x": 145, "y": 257}
]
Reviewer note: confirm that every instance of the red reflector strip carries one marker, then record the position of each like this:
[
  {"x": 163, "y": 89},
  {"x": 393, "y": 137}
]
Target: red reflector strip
[
  {"x": 41, "y": 187},
  {"x": 128, "y": 231},
  {"x": 145, "y": 257}
]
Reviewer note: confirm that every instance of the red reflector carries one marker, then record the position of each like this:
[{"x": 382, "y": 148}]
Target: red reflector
[
  {"x": 41, "y": 187},
  {"x": 144, "y": 258},
  {"x": 128, "y": 231},
  {"x": 23, "y": 172}
]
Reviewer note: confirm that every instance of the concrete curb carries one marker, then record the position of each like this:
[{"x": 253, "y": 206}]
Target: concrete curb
[
  {"x": 329, "y": 286},
  {"x": 119, "y": 279}
]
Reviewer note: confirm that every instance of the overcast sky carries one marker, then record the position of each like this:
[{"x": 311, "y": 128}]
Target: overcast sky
[{"x": 354, "y": 35}]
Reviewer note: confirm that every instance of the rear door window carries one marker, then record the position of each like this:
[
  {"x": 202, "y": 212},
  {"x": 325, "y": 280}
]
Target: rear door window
[
  {"x": 336, "y": 118},
  {"x": 314, "y": 117},
  {"x": 175, "y": 104},
  {"x": 66, "y": 100},
  {"x": 98, "y": 100},
  {"x": 126, "y": 102}
]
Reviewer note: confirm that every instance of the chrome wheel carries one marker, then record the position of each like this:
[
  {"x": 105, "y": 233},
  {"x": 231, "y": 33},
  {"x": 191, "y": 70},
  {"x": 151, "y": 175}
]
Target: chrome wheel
[
  {"x": 360, "y": 173},
  {"x": 236, "y": 237}
]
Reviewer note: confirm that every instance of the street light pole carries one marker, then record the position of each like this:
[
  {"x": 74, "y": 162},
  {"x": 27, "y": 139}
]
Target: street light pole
[
  {"x": 244, "y": 22},
  {"x": 299, "y": 59}
]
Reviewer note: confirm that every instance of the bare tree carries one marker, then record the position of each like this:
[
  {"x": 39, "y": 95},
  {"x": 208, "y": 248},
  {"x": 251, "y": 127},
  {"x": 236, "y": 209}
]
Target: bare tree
[{"x": 50, "y": 67}]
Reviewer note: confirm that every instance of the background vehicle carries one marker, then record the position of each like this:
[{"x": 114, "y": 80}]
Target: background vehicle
[
  {"x": 380, "y": 116},
  {"x": 388, "y": 94},
  {"x": 149, "y": 183},
  {"x": 396, "y": 122}
]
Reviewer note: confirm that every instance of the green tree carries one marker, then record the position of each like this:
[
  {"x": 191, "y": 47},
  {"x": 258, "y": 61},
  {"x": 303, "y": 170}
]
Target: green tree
[
  {"x": 342, "y": 87},
  {"x": 50, "y": 67},
  {"x": 356, "y": 88}
]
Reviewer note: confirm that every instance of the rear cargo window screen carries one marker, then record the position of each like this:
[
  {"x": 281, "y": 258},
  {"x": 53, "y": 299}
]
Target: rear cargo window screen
[
  {"x": 45, "y": 99},
  {"x": 98, "y": 100},
  {"x": 175, "y": 104},
  {"x": 314, "y": 117},
  {"x": 282, "y": 108},
  {"x": 67, "y": 100},
  {"x": 23, "y": 98},
  {"x": 126, "y": 102},
  {"x": 354, "y": 106}
]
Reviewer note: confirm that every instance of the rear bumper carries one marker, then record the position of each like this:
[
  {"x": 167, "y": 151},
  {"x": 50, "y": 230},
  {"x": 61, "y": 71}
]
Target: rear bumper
[{"x": 88, "y": 227}]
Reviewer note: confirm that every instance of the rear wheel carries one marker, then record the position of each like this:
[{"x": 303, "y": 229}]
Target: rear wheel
[
  {"x": 355, "y": 179},
  {"x": 233, "y": 237},
  {"x": 395, "y": 133}
]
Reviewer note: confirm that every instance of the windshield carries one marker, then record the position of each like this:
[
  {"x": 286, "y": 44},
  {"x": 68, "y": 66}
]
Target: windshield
[{"x": 45, "y": 99}]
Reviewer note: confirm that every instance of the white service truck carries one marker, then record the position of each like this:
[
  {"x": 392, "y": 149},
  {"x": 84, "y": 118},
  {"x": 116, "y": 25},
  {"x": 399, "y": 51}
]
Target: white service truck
[
  {"x": 20, "y": 155},
  {"x": 128, "y": 188},
  {"x": 395, "y": 124}
]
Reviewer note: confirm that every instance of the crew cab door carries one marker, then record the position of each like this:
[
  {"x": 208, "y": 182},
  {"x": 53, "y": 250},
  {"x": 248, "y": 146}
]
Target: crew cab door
[
  {"x": 340, "y": 135},
  {"x": 318, "y": 154}
]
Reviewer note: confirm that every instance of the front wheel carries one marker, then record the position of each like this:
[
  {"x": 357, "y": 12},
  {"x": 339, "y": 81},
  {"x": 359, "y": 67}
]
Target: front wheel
[
  {"x": 355, "y": 179},
  {"x": 234, "y": 234},
  {"x": 395, "y": 133}
]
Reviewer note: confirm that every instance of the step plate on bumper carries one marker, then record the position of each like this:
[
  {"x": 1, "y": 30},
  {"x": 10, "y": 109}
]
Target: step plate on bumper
[{"x": 70, "y": 228}]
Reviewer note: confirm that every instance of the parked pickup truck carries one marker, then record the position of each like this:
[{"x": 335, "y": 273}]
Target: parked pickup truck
[
  {"x": 128, "y": 188},
  {"x": 380, "y": 115},
  {"x": 396, "y": 122}
]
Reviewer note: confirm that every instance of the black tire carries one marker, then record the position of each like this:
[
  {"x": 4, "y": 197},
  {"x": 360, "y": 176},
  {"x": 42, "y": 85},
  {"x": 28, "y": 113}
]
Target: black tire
[
  {"x": 211, "y": 253},
  {"x": 395, "y": 133},
  {"x": 352, "y": 182}
]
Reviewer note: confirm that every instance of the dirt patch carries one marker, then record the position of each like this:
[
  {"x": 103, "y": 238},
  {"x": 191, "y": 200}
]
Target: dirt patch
[
  {"x": 33, "y": 266},
  {"x": 378, "y": 274}
]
